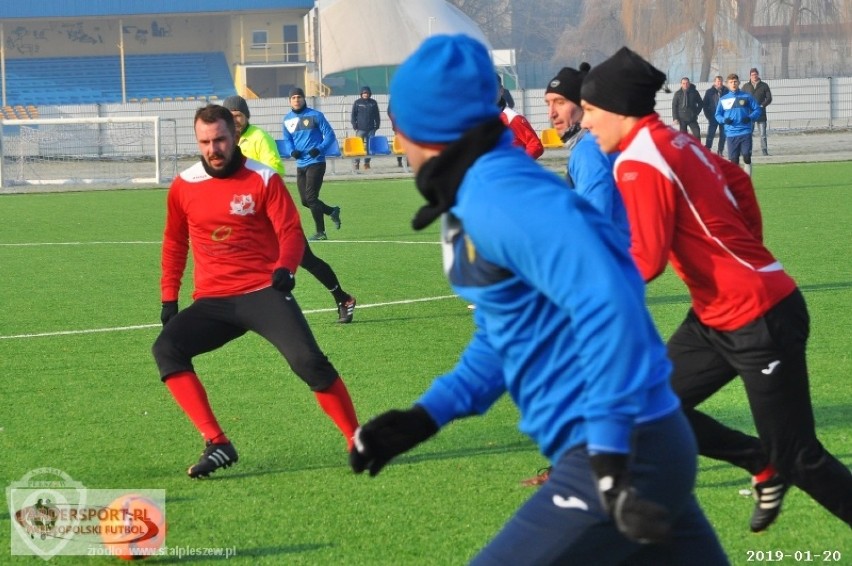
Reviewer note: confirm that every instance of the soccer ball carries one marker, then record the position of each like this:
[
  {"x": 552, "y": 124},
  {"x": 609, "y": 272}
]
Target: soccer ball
[{"x": 133, "y": 527}]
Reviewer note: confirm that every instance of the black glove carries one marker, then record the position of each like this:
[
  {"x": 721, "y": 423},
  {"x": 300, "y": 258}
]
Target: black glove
[
  {"x": 638, "y": 519},
  {"x": 389, "y": 435},
  {"x": 295, "y": 154},
  {"x": 170, "y": 310},
  {"x": 746, "y": 120},
  {"x": 313, "y": 152},
  {"x": 728, "y": 121},
  {"x": 283, "y": 280}
]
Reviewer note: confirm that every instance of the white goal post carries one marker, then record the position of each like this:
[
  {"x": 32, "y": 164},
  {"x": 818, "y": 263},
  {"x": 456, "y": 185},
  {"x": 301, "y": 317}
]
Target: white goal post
[{"x": 85, "y": 151}]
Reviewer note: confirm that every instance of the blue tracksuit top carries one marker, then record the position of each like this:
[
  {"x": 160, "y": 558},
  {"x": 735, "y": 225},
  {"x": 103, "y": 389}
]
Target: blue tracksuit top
[
  {"x": 590, "y": 174},
  {"x": 561, "y": 319},
  {"x": 305, "y": 130},
  {"x": 736, "y": 105}
]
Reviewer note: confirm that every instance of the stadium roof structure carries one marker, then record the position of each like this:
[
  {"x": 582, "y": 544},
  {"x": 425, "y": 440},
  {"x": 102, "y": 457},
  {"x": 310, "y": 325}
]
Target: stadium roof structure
[
  {"x": 112, "y": 8},
  {"x": 371, "y": 33}
]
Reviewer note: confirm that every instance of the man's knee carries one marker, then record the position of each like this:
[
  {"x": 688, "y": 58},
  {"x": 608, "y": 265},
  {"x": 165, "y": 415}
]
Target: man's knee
[
  {"x": 169, "y": 357},
  {"x": 314, "y": 369}
]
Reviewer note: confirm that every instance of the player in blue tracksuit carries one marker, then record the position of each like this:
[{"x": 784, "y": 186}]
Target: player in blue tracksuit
[
  {"x": 562, "y": 328},
  {"x": 307, "y": 138},
  {"x": 738, "y": 110},
  {"x": 589, "y": 170}
]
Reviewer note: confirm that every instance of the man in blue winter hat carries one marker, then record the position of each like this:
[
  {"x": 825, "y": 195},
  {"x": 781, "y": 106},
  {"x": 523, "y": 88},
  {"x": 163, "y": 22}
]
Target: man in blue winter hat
[{"x": 562, "y": 328}]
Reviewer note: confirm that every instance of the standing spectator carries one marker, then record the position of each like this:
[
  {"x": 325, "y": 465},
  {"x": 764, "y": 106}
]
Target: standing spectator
[
  {"x": 561, "y": 327},
  {"x": 308, "y": 136},
  {"x": 525, "y": 136},
  {"x": 761, "y": 93},
  {"x": 748, "y": 318},
  {"x": 365, "y": 121},
  {"x": 711, "y": 101},
  {"x": 736, "y": 111},
  {"x": 507, "y": 96},
  {"x": 255, "y": 143},
  {"x": 686, "y": 107},
  {"x": 246, "y": 240}
]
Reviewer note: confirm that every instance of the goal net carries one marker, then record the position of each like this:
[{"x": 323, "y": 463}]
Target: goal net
[{"x": 87, "y": 151}]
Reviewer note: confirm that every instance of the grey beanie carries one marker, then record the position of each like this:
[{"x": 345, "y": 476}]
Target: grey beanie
[{"x": 237, "y": 103}]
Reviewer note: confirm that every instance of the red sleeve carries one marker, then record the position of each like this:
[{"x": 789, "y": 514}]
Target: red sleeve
[
  {"x": 526, "y": 134},
  {"x": 650, "y": 200},
  {"x": 284, "y": 215},
  {"x": 742, "y": 190},
  {"x": 175, "y": 245}
]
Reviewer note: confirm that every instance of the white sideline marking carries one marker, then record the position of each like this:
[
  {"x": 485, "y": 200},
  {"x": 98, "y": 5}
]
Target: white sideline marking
[
  {"x": 32, "y": 244},
  {"x": 144, "y": 326}
]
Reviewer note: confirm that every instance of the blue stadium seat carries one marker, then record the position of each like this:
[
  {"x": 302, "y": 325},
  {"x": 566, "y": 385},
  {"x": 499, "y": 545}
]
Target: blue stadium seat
[{"x": 379, "y": 145}]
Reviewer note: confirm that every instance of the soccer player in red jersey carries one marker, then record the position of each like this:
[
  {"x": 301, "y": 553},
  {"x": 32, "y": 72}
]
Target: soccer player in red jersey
[
  {"x": 698, "y": 212},
  {"x": 243, "y": 228}
]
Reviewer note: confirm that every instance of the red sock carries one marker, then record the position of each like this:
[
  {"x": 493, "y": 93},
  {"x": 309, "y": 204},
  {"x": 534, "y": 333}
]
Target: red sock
[
  {"x": 337, "y": 404},
  {"x": 765, "y": 474},
  {"x": 192, "y": 398}
]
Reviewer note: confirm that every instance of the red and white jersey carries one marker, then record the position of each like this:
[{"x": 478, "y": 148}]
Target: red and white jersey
[
  {"x": 240, "y": 228},
  {"x": 525, "y": 135},
  {"x": 699, "y": 212}
]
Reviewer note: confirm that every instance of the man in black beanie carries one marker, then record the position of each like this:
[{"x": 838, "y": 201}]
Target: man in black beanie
[
  {"x": 589, "y": 169},
  {"x": 748, "y": 318}
]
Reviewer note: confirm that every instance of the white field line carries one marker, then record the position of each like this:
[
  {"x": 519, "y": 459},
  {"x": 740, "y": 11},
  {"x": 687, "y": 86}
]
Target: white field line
[
  {"x": 34, "y": 244},
  {"x": 145, "y": 326}
]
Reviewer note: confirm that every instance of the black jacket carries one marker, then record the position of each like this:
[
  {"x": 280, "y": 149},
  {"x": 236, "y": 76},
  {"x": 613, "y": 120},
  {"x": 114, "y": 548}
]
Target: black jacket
[
  {"x": 711, "y": 101},
  {"x": 761, "y": 94},
  {"x": 365, "y": 114},
  {"x": 686, "y": 105}
]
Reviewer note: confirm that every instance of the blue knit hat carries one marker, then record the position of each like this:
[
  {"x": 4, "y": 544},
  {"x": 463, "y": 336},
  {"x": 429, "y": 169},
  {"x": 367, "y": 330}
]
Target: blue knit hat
[{"x": 444, "y": 89}]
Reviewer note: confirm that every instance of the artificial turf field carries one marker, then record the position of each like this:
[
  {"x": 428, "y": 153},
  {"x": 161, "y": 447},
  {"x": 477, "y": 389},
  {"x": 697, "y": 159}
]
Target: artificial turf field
[{"x": 80, "y": 277}]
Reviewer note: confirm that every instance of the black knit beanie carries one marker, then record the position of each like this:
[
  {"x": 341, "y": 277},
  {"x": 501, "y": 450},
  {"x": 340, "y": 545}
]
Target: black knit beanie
[
  {"x": 568, "y": 81},
  {"x": 624, "y": 84}
]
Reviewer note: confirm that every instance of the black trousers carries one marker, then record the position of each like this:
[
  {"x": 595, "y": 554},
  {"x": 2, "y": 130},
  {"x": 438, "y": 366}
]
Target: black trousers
[
  {"x": 769, "y": 356},
  {"x": 209, "y": 324},
  {"x": 309, "y": 182},
  {"x": 319, "y": 268}
]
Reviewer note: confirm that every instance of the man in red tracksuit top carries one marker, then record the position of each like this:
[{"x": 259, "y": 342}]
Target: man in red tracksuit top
[
  {"x": 247, "y": 241},
  {"x": 698, "y": 212}
]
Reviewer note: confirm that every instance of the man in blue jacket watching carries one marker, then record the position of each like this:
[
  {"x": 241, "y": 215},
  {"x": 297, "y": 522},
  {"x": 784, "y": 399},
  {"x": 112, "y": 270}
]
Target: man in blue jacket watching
[
  {"x": 561, "y": 326},
  {"x": 307, "y": 137},
  {"x": 737, "y": 110}
]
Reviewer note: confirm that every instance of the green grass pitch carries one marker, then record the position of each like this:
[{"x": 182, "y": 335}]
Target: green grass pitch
[{"x": 80, "y": 297}]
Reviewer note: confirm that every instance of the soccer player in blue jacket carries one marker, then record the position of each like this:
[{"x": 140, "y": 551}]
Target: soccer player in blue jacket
[
  {"x": 561, "y": 326},
  {"x": 738, "y": 110},
  {"x": 307, "y": 138}
]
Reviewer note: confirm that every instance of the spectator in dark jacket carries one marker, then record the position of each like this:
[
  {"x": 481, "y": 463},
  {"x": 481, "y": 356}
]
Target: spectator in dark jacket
[
  {"x": 686, "y": 107},
  {"x": 711, "y": 100},
  {"x": 365, "y": 121},
  {"x": 761, "y": 93}
]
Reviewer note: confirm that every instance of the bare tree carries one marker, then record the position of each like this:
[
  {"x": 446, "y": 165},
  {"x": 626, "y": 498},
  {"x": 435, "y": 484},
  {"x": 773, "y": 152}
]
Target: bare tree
[{"x": 820, "y": 18}]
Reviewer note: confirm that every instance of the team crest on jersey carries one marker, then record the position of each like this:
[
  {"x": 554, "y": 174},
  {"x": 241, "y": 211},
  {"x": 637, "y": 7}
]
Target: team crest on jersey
[
  {"x": 242, "y": 205},
  {"x": 741, "y": 101},
  {"x": 306, "y": 122}
]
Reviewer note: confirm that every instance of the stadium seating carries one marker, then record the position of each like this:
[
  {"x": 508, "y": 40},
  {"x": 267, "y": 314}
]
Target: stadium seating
[
  {"x": 550, "y": 139},
  {"x": 95, "y": 80},
  {"x": 379, "y": 145},
  {"x": 353, "y": 147},
  {"x": 396, "y": 148}
]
